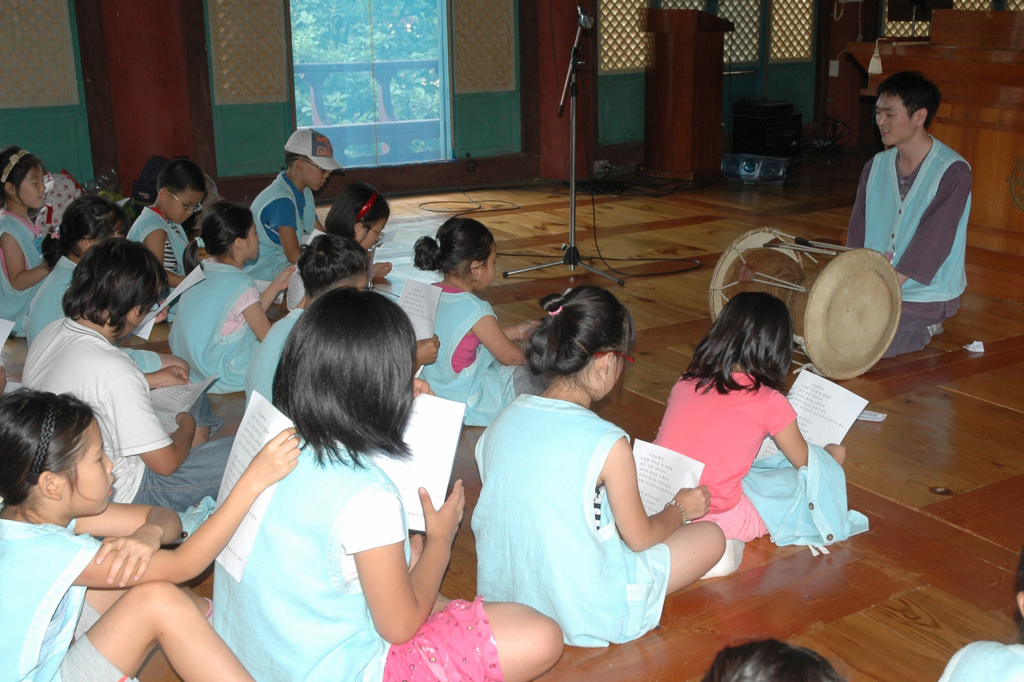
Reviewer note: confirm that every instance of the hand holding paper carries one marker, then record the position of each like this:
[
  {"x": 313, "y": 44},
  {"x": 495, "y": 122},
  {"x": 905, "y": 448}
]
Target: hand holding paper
[
  {"x": 662, "y": 473},
  {"x": 419, "y": 301},
  {"x": 170, "y": 401},
  {"x": 145, "y": 327}
]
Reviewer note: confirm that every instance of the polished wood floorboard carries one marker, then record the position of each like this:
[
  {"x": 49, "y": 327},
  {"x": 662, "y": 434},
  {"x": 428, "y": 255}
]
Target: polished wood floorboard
[{"x": 940, "y": 479}]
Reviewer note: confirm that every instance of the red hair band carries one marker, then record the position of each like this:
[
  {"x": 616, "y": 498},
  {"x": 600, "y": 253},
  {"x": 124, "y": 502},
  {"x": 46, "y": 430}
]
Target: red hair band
[{"x": 367, "y": 206}]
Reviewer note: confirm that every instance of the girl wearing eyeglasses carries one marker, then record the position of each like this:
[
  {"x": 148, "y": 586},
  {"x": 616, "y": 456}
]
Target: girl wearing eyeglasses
[
  {"x": 360, "y": 213},
  {"x": 181, "y": 187},
  {"x": 542, "y": 460}
]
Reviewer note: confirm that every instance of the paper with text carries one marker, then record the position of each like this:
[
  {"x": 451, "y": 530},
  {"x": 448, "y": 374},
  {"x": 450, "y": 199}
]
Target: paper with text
[
  {"x": 296, "y": 290},
  {"x": 262, "y": 421},
  {"x": 145, "y": 327},
  {"x": 662, "y": 473},
  {"x": 6, "y": 327},
  {"x": 433, "y": 437},
  {"x": 419, "y": 301},
  {"x": 385, "y": 238},
  {"x": 12, "y": 386},
  {"x": 313, "y": 235},
  {"x": 824, "y": 411},
  {"x": 169, "y": 401}
]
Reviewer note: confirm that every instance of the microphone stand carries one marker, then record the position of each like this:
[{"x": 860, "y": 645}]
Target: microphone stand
[{"x": 570, "y": 255}]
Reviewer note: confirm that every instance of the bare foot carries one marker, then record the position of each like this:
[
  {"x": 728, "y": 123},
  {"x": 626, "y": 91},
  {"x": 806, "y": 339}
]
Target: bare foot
[{"x": 838, "y": 452}]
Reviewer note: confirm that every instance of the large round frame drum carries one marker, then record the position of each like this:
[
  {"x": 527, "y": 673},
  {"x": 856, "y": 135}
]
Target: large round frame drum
[{"x": 845, "y": 310}]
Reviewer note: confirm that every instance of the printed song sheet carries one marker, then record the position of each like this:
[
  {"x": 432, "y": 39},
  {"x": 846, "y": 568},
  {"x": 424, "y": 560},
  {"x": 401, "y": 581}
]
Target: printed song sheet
[
  {"x": 433, "y": 437},
  {"x": 171, "y": 400},
  {"x": 296, "y": 289},
  {"x": 313, "y": 235},
  {"x": 262, "y": 421},
  {"x": 6, "y": 327},
  {"x": 824, "y": 411},
  {"x": 662, "y": 473},
  {"x": 419, "y": 301},
  {"x": 145, "y": 327}
]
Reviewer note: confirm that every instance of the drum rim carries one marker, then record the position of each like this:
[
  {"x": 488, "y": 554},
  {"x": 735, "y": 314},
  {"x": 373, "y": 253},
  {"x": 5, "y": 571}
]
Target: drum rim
[{"x": 729, "y": 255}]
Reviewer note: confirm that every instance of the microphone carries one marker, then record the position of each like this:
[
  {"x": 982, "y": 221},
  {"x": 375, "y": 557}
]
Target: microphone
[{"x": 585, "y": 20}]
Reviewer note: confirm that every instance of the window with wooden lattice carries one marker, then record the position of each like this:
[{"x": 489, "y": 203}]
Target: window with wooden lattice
[
  {"x": 622, "y": 42},
  {"x": 685, "y": 4},
  {"x": 792, "y": 30},
  {"x": 1015, "y": 5},
  {"x": 905, "y": 29},
  {"x": 744, "y": 43}
]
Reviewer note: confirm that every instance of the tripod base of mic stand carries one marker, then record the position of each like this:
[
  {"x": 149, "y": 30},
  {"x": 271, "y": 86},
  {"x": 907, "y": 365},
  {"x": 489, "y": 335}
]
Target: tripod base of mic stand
[{"x": 571, "y": 257}]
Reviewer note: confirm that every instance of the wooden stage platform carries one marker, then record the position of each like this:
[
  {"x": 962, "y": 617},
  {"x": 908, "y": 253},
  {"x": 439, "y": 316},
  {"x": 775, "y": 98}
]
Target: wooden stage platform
[{"x": 941, "y": 479}]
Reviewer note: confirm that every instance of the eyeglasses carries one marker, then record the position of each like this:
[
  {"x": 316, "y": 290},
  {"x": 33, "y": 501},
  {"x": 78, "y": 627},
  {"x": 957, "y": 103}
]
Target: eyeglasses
[
  {"x": 628, "y": 358},
  {"x": 190, "y": 208}
]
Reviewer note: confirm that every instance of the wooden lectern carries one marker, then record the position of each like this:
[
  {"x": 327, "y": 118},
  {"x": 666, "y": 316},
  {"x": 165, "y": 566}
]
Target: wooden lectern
[{"x": 683, "y": 100}]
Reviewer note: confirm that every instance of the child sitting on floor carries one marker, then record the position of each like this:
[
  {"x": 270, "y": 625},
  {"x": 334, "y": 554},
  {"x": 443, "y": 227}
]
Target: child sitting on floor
[
  {"x": 223, "y": 318},
  {"x": 181, "y": 187},
  {"x": 284, "y": 212},
  {"x": 476, "y": 357},
  {"x": 328, "y": 262},
  {"x": 360, "y": 213},
  {"x": 541, "y": 461},
  {"x": 332, "y": 554},
  {"x": 55, "y": 480},
  {"x": 112, "y": 289},
  {"x": 87, "y": 221},
  {"x": 21, "y": 192},
  {"x": 728, "y": 400}
]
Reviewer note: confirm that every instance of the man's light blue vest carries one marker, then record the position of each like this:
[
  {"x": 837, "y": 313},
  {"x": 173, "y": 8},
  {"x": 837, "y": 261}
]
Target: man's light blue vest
[
  {"x": 48, "y": 306},
  {"x": 887, "y": 215},
  {"x": 13, "y": 303},
  {"x": 536, "y": 541},
  {"x": 38, "y": 564},
  {"x": 986, "y": 662},
  {"x": 150, "y": 220},
  {"x": 486, "y": 386},
  {"x": 293, "y": 616},
  {"x": 196, "y": 333},
  {"x": 272, "y": 260},
  {"x": 260, "y": 377}
]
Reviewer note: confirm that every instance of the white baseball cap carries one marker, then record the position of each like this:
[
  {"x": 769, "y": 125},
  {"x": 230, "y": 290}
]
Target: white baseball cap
[{"x": 314, "y": 146}]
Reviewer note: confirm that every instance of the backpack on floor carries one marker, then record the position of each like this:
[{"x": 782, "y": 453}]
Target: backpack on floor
[{"x": 144, "y": 189}]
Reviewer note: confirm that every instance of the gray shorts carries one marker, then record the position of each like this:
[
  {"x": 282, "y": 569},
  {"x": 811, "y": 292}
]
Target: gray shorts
[{"x": 83, "y": 663}]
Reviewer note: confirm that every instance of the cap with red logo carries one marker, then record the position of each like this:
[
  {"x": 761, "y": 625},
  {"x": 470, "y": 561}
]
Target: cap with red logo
[{"x": 314, "y": 146}]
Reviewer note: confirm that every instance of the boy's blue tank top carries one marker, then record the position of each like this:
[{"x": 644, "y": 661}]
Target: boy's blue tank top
[
  {"x": 13, "y": 303},
  {"x": 196, "y": 333},
  {"x": 536, "y": 541},
  {"x": 293, "y": 616},
  {"x": 486, "y": 386},
  {"x": 272, "y": 260},
  {"x": 150, "y": 220},
  {"x": 48, "y": 306},
  {"x": 260, "y": 377},
  {"x": 38, "y": 565}
]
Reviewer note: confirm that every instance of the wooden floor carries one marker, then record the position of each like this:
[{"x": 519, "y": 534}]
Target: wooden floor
[{"x": 940, "y": 479}]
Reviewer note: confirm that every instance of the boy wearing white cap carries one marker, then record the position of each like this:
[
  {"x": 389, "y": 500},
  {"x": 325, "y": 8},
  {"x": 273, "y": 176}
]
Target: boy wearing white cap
[{"x": 284, "y": 213}]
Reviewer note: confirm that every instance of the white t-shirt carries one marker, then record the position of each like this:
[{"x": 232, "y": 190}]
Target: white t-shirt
[
  {"x": 373, "y": 518},
  {"x": 67, "y": 357}
]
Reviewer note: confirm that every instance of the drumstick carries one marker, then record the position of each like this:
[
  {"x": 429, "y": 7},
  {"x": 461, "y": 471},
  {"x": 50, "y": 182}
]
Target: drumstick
[{"x": 802, "y": 241}]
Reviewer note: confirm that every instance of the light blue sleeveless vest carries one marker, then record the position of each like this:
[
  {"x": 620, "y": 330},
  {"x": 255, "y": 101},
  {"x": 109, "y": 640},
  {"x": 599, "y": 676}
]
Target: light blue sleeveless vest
[
  {"x": 272, "y": 260},
  {"x": 986, "y": 662},
  {"x": 38, "y": 564},
  {"x": 892, "y": 223},
  {"x": 292, "y": 616},
  {"x": 196, "y": 333},
  {"x": 48, "y": 306},
  {"x": 260, "y": 376},
  {"x": 150, "y": 220},
  {"x": 13, "y": 303},
  {"x": 486, "y": 386},
  {"x": 536, "y": 544}
]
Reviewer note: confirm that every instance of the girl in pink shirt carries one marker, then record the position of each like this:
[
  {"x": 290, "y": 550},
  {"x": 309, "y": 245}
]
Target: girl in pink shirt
[{"x": 729, "y": 399}]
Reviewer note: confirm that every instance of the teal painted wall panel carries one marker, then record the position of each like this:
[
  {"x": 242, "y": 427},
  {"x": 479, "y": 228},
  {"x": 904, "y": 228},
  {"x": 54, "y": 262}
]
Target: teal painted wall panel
[
  {"x": 250, "y": 138},
  {"x": 487, "y": 124},
  {"x": 620, "y": 107},
  {"x": 57, "y": 135}
]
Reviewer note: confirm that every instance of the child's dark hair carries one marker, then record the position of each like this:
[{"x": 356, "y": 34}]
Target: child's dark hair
[
  {"x": 16, "y": 176},
  {"x": 916, "y": 92},
  {"x": 345, "y": 376},
  {"x": 39, "y": 432},
  {"x": 224, "y": 223},
  {"x": 460, "y": 243},
  {"x": 344, "y": 214},
  {"x": 180, "y": 175},
  {"x": 770, "y": 660},
  {"x": 753, "y": 334},
  {"x": 292, "y": 157},
  {"x": 328, "y": 260},
  {"x": 87, "y": 217},
  {"x": 114, "y": 278},
  {"x": 584, "y": 321}
]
